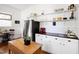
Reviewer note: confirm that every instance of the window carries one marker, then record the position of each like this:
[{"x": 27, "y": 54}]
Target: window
[
  {"x": 5, "y": 16},
  {"x": 5, "y": 20}
]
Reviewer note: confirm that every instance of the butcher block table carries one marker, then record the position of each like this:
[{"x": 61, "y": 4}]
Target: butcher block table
[{"x": 17, "y": 47}]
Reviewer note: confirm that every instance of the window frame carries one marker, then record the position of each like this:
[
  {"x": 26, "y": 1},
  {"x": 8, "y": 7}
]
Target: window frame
[{"x": 5, "y": 18}]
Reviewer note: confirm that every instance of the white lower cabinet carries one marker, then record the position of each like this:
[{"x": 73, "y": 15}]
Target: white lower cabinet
[
  {"x": 47, "y": 44},
  {"x": 70, "y": 46},
  {"x": 39, "y": 38},
  {"x": 57, "y": 45},
  {"x": 65, "y": 46}
]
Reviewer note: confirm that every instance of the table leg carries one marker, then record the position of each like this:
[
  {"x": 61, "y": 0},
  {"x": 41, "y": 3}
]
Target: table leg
[{"x": 9, "y": 51}]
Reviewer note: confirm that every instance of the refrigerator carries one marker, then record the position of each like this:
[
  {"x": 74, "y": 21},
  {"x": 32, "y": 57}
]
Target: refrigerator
[
  {"x": 26, "y": 28},
  {"x": 35, "y": 28},
  {"x": 32, "y": 28}
]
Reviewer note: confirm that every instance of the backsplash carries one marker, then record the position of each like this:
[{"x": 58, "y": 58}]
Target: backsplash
[{"x": 61, "y": 26}]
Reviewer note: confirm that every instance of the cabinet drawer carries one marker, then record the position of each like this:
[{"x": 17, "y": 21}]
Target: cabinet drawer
[{"x": 39, "y": 38}]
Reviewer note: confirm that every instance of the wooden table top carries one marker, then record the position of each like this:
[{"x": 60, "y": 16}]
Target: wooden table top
[{"x": 19, "y": 44}]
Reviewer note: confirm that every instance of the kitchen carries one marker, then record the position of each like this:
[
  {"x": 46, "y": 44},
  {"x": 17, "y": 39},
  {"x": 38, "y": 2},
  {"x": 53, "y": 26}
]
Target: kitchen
[
  {"x": 57, "y": 36},
  {"x": 58, "y": 25}
]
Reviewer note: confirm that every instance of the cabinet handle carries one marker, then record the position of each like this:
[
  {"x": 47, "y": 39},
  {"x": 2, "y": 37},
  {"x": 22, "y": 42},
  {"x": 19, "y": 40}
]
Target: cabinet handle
[
  {"x": 69, "y": 40},
  {"x": 60, "y": 43},
  {"x": 46, "y": 36},
  {"x": 55, "y": 38},
  {"x": 37, "y": 35},
  {"x": 63, "y": 44}
]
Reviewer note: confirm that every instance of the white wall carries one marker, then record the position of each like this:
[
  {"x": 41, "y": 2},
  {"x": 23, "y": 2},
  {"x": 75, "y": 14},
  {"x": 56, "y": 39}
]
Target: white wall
[
  {"x": 39, "y": 9},
  {"x": 77, "y": 22},
  {"x": 61, "y": 27},
  {"x": 16, "y": 15}
]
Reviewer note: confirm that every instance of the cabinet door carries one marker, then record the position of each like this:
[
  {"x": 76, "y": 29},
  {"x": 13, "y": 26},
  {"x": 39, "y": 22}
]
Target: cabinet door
[
  {"x": 61, "y": 46},
  {"x": 71, "y": 46},
  {"x": 47, "y": 44},
  {"x": 56, "y": 45},
  {"x": 68, "y": 46},
  {"x": 39, "y": 38},
  {"x": 52, "y": 45},
  {"x": 45, "y": 41}
]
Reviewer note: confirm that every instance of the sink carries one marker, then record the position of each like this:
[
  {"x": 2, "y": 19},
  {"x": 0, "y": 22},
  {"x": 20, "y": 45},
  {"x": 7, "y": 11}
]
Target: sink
[{"x": 72, "y": 36}]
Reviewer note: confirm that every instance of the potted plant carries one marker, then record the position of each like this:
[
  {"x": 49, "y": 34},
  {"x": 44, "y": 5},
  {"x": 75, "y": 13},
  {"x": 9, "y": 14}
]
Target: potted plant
[{"x": 27, "y": 40}]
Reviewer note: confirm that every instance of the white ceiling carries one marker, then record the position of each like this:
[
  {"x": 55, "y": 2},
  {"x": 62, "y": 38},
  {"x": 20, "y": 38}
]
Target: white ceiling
[{"x": 21, "y": 6}]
